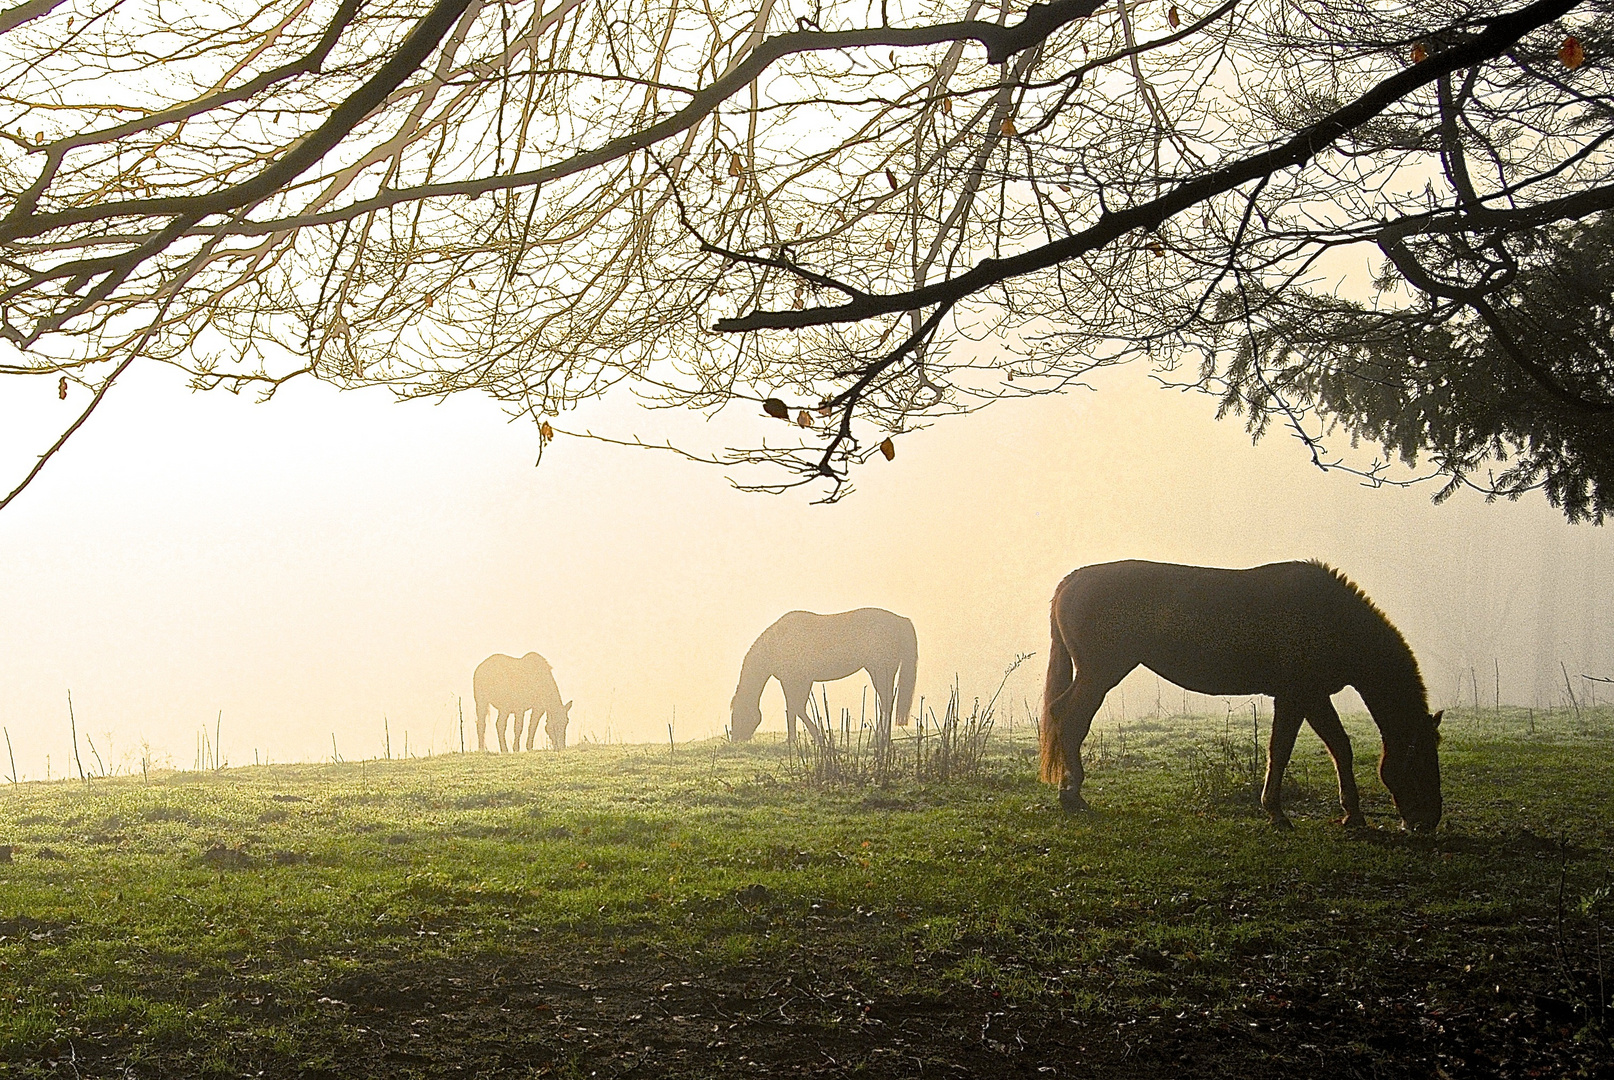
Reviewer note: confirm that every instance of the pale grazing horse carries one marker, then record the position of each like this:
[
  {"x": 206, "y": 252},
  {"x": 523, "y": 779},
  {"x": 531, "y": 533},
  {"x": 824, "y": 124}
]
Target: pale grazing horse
[
  {"x": 512, "y": 687},
  {"x": 804, "y": 648},
  {"x": 1297, "y": 631}
]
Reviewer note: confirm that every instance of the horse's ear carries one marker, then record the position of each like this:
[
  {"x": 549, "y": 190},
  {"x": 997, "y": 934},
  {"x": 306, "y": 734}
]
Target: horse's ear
[
  {"x": 1435, "y": 719},
  {"x": 568, "y": 706}
]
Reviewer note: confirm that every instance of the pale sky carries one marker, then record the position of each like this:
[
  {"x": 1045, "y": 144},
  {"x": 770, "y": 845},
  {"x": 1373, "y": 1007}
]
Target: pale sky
[{"x": 315, "y": 564}]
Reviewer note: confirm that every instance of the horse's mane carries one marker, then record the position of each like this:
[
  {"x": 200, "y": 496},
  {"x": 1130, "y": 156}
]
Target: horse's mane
[{"x": 1378, "y": 614}]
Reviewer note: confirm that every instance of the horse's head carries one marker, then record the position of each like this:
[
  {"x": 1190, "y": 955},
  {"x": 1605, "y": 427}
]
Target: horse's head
[
  {"x": 1410, "y": 769},
  {"x": 746, "y": 718},
  {"x": 555, "y": 725}
]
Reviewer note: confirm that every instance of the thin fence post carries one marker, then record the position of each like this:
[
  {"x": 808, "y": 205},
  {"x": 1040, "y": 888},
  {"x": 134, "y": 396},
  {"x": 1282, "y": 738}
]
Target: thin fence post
[{"x": 72, "y": 723}]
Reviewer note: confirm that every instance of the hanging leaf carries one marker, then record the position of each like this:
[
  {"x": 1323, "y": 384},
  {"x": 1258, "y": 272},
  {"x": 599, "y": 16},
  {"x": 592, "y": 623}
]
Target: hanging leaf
[
  {"x": 804, "y": 419},
  {"x": 776, "y": 409},
  {"x": 889, "y": 246},
  {"x": 61, "y": 389},
  {"x": 796, "y": 303},
  {"x": 1571, "y": 54},
  {"x": 891, "y": 178},
  {"x": 799, "y": 228},
  {"x": 888, "y": 449},
  {"x": 545, "y": 432},
  {"x": 1007, "y": 127},
  {"x": 736, "y": 166},
  {"x": 1064, "y": 187},
  {"x": 1173, "y": 18},
  {"x": 39, "y": 137},
  {"x": 1419, "y": 53},
  {"x": 1157, "y": 251},
  {"x": 823, "y": 408},
  {"x": 947, "y": 106}
]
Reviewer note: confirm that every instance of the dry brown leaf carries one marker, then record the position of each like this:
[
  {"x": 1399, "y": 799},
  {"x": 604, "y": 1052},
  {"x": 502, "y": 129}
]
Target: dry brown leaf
[
  {"x": 1007, "y": 127},
  {"x": 736, "y": 166},
  {"x": 947, "y": 106},
  {"x": 804, "y": 419},
  {"x": 1571, "y": 53},
  {"x": 891, "y": 178},
  {"x": 889, "y": 246},
  {"x": 888, "y": 449},
  {"x": 776, "y": 409},
  {"x": 1419, "y": 53},
  {"x": 1173, "y": 18},
  {"x": 545, "y": 432},
  {"x": 61, "y": 388}
]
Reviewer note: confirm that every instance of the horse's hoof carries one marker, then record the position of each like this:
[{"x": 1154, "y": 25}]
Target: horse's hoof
[
  {"x": 1282, "y": 824},
  {"x": 1354, "y": 821},
  {"x": 1071, "y": 802}
]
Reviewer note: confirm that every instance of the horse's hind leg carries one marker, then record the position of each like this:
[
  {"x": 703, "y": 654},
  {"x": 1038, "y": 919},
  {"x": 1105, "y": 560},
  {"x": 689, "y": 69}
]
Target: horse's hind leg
[
  {"x": 1286, "y": 719},
  {"x": 1325, "y": 722},
  {"x": 518, "y": 721},
  {"x": 1073, "y": 711},
  {"x": 499, "y": 719},
  {"x": 885, "y": 691}
]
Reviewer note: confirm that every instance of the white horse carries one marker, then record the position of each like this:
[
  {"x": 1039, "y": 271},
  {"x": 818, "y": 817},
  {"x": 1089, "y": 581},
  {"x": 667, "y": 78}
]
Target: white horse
[
  {"x": 804, "y": 648},
  {"x": 512, "y": 687}
]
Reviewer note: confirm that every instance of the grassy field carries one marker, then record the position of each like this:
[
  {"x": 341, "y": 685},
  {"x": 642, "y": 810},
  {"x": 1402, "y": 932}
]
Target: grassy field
[{"x": 722, "y": 910}]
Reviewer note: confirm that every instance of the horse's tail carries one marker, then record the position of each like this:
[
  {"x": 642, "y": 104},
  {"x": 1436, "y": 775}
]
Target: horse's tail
[
  {"x": 907, "y": 675},
  {"x": 479, "y": 700},
  {"x": 1061, "y": 673}
]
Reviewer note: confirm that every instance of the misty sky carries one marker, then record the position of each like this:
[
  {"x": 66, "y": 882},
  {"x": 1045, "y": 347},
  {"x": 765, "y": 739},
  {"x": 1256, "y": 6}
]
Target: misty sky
[{"x": 315, "y": 564}]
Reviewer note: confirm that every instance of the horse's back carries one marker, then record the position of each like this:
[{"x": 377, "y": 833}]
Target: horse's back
[
  {"x": 506, "y": 681},
  {"x": 844, "y": 639},
  {"x": 1212, "y": 629}
]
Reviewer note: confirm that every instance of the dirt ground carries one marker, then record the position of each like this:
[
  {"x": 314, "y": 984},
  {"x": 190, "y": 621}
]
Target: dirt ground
[{"x": 607, "y": 1012}]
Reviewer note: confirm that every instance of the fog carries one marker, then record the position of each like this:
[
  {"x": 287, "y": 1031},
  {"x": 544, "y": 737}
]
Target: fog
[{"x": 312, "y": 568}]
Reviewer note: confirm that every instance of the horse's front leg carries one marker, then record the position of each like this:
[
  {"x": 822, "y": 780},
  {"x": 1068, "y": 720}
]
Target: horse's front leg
[
  {"x": 796, "y": 695},
  {"x": 518, "y": 721},
  {"x": 1325, "y": 722},
  {"x": 1286, "y": 719},
  {"x": 499, "y": 720}
]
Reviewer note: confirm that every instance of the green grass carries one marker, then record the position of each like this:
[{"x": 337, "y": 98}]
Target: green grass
[{"x": 620, "y": 909}]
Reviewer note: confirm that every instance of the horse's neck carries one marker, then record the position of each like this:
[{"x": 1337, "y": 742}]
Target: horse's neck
[
  {"x": 1392, "y": 694},
  {"x": 755, "y": 672}
]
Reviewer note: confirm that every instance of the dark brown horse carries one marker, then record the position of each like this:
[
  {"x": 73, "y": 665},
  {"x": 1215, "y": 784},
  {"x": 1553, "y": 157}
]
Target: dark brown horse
[{"x": 1297, "y": 631}]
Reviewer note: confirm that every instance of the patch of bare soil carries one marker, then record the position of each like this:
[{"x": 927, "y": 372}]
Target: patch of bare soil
[{"x": 647, "y": 1014}]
